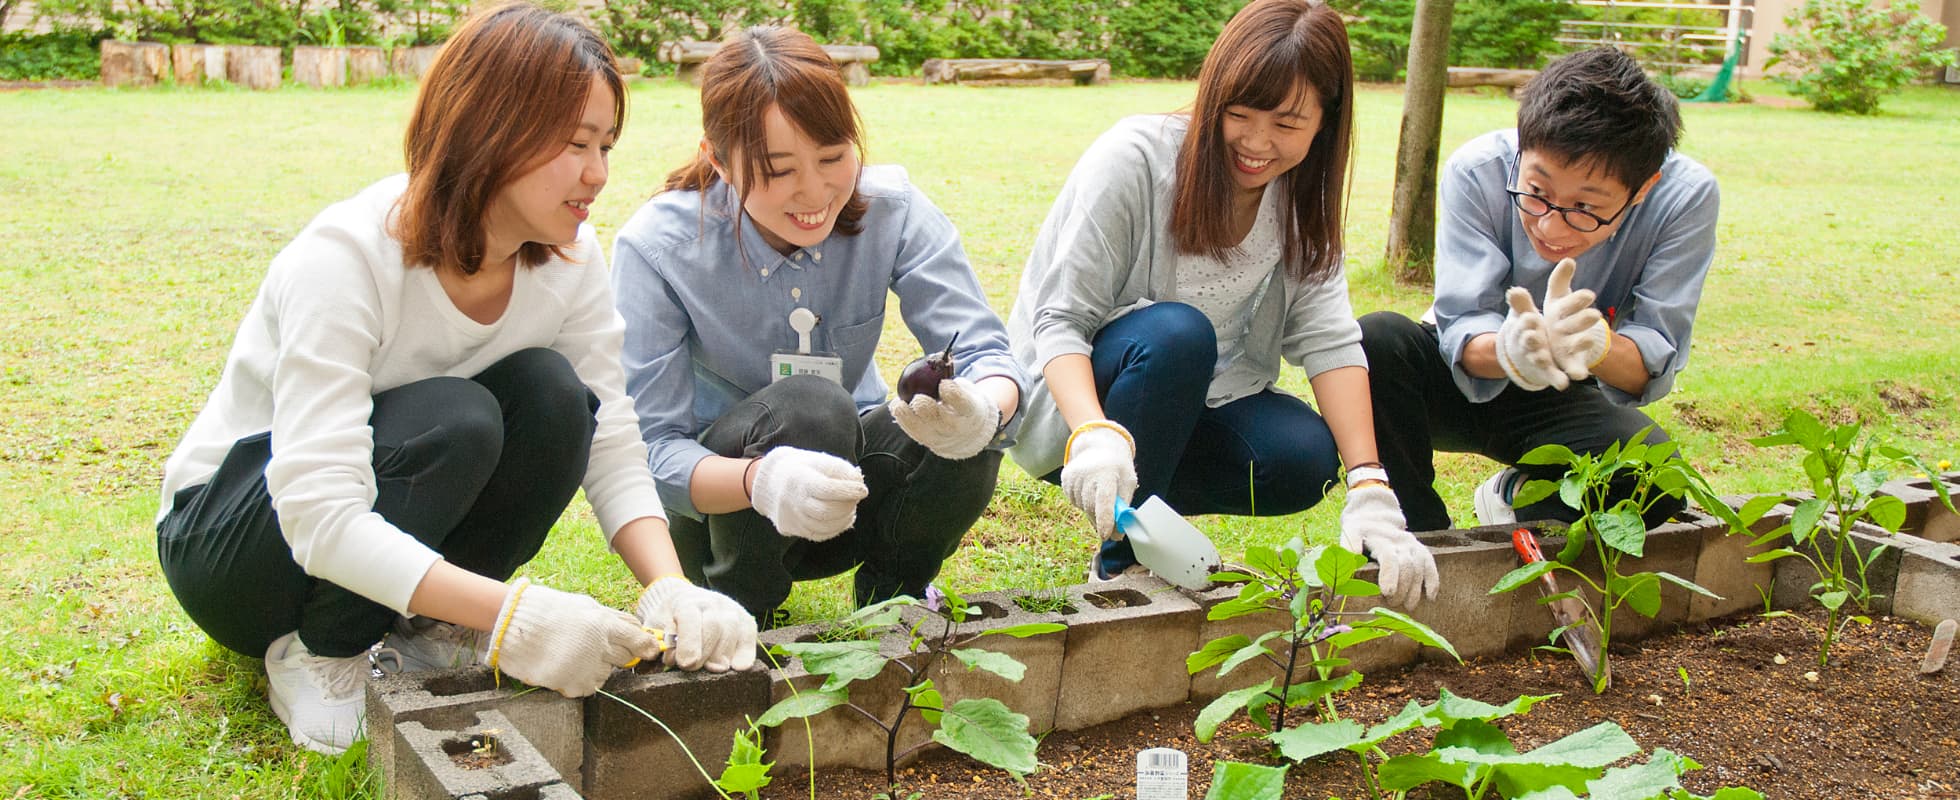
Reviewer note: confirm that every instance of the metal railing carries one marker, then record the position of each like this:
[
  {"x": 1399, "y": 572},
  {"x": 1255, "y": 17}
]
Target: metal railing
[{"x": 1664, "y": 45}]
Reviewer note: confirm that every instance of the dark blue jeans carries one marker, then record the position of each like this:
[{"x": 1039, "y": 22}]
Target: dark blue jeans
[
  {"x": 1268, "y": 454},
  {"x": 478, "y": 469},
  {"x": 919, "y": 507}
]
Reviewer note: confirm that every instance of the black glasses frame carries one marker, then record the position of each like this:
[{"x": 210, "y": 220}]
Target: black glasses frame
[{"x": 1577, "y": 219}]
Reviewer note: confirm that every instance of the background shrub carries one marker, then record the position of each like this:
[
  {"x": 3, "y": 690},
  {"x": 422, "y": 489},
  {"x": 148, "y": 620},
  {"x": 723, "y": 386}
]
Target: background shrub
[
  {"x": 61, "y": 55},
  {"x": 1847, "y": 55}
]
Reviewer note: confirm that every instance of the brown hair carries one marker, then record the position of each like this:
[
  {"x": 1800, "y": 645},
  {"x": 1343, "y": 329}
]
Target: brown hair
[
  {"x": 1267, "y": 52},
  {"x": 759, "y": 67},
  {"x": 502, "y": 96}
]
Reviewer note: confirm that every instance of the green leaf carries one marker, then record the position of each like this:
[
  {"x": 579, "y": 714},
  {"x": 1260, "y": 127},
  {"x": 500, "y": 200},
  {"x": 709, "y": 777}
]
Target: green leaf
[
  {"x": 1808, "y": 432},
  {"x": 1355, "y": 636},
  {"x": 1596, "y": 746},
  {"x": 1661, "y": 773},
  {"x": 1865, "y": 482},
  {"x": 928, "y": 700},
  {"x": 1553, "y": 792},
  {"x": 1231, "y": 780},
  {"x": 1316, "y": 738},
  {"x": 1391, "y": 620},
  {"x": 1733, "y": 793},
  {"x": 1523, "y": 575},
  {"x": 1412, "y": 716},
  {"x": 1889, "y": 512},
  {"x": 1572, "y": 492},
  {"x": 1335, "y": 565},
  {"x": 1027, "y": 630},
  {"x": 1687, "y": 584},
  {"x": 1803, "y": 521},
  {"x": 1771, "y": 555},
  {"x": 1402, "y": 773},
  {"x": 1265, "y": 561},
  {"x": 1623, "y": 530},
  {"x": 989, "y": 732},
  {"x": 1224, "y": 707},
  {"x": 1215, "y": 652},
  {"x": 1532, "y": 492},
  {"x": 844, "y": 662},
  {"x": 1758, "y": 506},
  {"x": 1000, "y": 664},
  {"x": 1238, "y": 607},
  {"x": 1833, "y": 600},
  {"x": 1548, "y": 455},
  {"x": 1308, "y": 692},
  {"x": 803, "y": 704},
  {"x": 1641, "y": 591},
  {"x": 1450, "y": 708},
  {"x": 1244, "y": 654},
  {"x": 1475, "y": 735},
  {"x": 743, "y": 778}
]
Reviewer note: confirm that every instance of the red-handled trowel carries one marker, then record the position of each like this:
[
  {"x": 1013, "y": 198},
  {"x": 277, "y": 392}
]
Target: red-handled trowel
[{"x": 1578, "y": 629}]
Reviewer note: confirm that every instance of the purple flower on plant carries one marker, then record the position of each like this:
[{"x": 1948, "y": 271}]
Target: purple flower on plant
[
  {"x": 935, "y": 599},
  {"x": 1331, "y": 631}
]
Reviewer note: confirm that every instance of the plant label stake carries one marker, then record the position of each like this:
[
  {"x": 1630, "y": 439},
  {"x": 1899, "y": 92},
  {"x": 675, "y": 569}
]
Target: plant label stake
[
  {"x": 1169, "y": 546},
  {"x": 1161, "y": 775},
  {"x": 1577, "y": 627},
  {"x": 1942, "y": 644}
]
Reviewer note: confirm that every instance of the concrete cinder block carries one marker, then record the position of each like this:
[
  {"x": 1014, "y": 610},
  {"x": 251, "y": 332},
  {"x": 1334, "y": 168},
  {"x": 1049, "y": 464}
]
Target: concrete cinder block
[
  {"x": 513, "y": 768},
  {"x": 1127, "y": 640},
  {"x": 451, "y": 700},
  {"x": 843, "y": 736},
  {"x": 1795, "y": 576},
  {"x": 1033, "y": 695},
  {"x": 1723, "y": 566},
  {"x": 1469, "y": 562},
  {"x": 626, "y": 753},
  {"x": 1207, "y": 684},
  {"x": 1674, "y": 548},
  {"x": 1928, "y": 588},
  {"x": 1926, "y": 516}
]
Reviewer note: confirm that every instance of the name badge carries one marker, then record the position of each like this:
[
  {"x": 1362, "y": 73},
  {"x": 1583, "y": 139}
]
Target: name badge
[{"x": 829, "y": 367}]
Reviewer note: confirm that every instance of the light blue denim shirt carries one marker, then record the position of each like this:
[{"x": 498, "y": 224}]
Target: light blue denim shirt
[
  {"x": 1648, "y": 275},
  {"x": 707, "y": 300}
]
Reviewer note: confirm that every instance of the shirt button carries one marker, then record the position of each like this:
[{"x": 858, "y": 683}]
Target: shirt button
[
  {"x": 816, "y": 256},
  {"x": 796, "y": 294},
  {"x": 765, "y": 273}
]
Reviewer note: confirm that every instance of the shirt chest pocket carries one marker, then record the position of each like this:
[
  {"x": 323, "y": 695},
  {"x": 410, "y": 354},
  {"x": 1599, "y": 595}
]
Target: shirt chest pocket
[{"x": 855, "y": 340}]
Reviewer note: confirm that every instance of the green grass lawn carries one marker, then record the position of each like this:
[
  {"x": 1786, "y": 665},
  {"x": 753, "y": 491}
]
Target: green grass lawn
[{"x": 136, "y": 225}]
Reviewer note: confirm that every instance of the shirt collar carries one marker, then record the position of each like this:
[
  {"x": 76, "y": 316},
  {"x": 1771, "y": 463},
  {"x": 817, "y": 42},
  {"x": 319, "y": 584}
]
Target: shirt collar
[{"x": 762, "y": 257}]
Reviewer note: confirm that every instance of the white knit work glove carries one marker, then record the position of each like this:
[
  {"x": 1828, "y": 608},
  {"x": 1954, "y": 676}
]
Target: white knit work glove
[
  {"x": 1578, "y": 332},
  {"x": 564, "y": 641},
  {"x": 956, "y": 426},
  {"x": 807, "y": 494},
  {"x": 704, "y": 628},
  {"x": 1524, "y": 346},
  {"x": 1372, "y": 524},
  {"x": 1100, "y": 468}
]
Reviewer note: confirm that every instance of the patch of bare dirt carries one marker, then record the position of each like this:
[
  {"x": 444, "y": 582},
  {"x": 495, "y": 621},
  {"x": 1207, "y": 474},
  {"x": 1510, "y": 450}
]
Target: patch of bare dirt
[
  {"x": 1869, "y": 727},
  {"x": 1902, "y": 398}
]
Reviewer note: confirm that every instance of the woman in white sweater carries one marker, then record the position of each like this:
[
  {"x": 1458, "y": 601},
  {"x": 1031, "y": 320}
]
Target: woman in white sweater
[
  {"x": 429, "y": 372},
  {"x": 1185, "y": 257}
]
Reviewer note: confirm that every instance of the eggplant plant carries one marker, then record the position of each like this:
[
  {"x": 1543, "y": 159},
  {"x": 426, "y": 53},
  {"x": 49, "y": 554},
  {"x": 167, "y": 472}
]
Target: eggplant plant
[{"x": 981, "y": 727}]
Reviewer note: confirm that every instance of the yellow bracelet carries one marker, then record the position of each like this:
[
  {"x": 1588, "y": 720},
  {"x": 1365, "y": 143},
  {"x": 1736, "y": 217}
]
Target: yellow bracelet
[
  {"x": 1069, "y": 447},
  {"x": 503, "y": 625},
  {"x": 1607, "y": 349}
]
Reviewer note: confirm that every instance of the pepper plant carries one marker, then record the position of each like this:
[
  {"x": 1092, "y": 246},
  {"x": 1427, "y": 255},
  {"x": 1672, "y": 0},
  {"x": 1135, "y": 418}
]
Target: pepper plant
[
  {"x": 981, "y": 727},
  {"x": 1640, "y": 475},
  {"x": 1845, "y": 471}
]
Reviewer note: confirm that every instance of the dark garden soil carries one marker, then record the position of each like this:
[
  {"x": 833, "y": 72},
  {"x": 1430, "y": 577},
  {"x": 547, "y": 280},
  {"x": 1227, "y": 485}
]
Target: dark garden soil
[{"x": 1870, "y": 726}]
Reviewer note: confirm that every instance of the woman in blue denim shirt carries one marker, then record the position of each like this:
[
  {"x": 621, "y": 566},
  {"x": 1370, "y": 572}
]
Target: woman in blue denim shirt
[{"x": 754, "y": 292}]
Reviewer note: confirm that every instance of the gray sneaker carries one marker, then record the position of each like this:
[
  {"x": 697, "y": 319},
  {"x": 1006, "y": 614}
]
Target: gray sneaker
[
  {"x": 1493, "y": 497},
  {"x": 422, "y": 644}
]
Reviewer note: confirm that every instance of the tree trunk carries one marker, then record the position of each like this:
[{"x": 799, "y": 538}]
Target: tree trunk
[
  {"x": 1412, "y": 221},
  {"x": 320, "y": 66},
  {"x": 197, "y": 63},
  {"x": 366, "y": 65},
  {"x": 252, "y": 66},
  {"x": 954, "y": 70},
  {"x": 411, "y": 62},
  {"x": 133, "y": 63}
]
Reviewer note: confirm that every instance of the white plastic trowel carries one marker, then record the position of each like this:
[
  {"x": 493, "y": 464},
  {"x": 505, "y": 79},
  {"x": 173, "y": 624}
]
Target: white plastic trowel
[{"x": 1166, "y": 544}]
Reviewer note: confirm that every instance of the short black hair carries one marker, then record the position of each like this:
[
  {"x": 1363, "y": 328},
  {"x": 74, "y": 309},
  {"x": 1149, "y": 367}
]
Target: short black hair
[{"x": 1599, "y": 107}]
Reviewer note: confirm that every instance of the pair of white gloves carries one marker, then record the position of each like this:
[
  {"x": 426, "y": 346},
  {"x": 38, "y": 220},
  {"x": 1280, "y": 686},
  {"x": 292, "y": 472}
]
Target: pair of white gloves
[
  {"x": 814, "y": 496},
  {"x": 1100, "y": 466},
  {"x": 1558, "y": 346},
  {"x": 571, "y": 643}
]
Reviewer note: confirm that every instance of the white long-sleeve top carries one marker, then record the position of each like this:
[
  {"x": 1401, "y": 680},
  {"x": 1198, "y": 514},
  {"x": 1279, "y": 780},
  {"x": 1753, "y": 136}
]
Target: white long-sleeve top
[{"x": 338, "y": 319}]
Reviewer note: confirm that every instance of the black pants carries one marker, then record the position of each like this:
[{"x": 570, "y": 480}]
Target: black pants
[
  {"x": 478, "y": 469},
  {"x": 919, "y": 507},
  {"x": 1418, "y": 410}
]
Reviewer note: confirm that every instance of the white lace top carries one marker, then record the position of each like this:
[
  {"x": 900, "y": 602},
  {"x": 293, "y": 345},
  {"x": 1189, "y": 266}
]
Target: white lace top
[{"x": 1224, "y": 290}]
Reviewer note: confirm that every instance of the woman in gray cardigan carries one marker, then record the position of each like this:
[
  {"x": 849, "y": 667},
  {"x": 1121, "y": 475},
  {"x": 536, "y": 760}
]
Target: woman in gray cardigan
[{"x": 1187, "y": 255}]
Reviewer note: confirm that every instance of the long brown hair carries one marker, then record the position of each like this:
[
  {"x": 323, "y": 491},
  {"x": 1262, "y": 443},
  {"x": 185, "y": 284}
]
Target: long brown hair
[
  {"x": 503, "y": 95},
  {"x": 767, "y": 66},
  {"x": 1269, "y": 50}
]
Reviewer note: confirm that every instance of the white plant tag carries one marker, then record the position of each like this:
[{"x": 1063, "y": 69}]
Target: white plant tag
[{"x": 1161, "y": 775}]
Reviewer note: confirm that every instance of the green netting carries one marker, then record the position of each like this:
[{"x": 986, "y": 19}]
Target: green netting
[{"x": 1718, "y": 89}]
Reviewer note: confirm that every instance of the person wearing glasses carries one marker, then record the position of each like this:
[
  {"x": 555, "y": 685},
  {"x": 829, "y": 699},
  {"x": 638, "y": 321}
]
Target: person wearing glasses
[{"x": 1570, "y": 255}]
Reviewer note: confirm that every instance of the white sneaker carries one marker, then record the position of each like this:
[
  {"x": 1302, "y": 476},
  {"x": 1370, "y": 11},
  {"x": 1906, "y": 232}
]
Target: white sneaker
[
  {"x": 321, "y": 699},
  {"x": 423, "y": 644},
  {"x": 1493, "y": 498}
]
